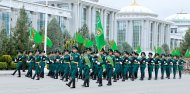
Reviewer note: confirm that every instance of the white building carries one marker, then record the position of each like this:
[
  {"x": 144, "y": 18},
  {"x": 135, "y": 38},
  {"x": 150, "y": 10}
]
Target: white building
[
  {"x": 139, "y": 26},
  {"x": 71, "y": 14},
  {"x": 181, "y": 23}
]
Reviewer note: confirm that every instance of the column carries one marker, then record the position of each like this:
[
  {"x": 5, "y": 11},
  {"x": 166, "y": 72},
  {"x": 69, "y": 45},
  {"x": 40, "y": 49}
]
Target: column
[
  {"x": 111, "y": 26},
  {"x": 102, "y": 15},
  {"x": 130, "y": 32},
  {"x": 105, "y": 23},
  {"x": 93, "y": 20},
  {"x": 115, "y": 28},
  {"x": 80, "y": 15},
  {"x": 143, "y": 42},
  {"x": 89, "y": 17}
]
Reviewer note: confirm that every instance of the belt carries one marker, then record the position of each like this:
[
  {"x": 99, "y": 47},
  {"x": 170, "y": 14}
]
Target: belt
[
  {"x": 38, "y": 62},
  {"x": 75, "y": 62},
  {"x": 67, "y": 62}
]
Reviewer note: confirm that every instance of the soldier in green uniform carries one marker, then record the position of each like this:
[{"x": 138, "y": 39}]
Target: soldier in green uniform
[
  {"x": 31, "y": 61},
  {"x": 169, "y": 66},
  {"x": 51, "y": 61},
  {"x": 87, "y": 61},
  {"x": 163, "y": 65},
  {"x": 37, "y": 66},
  {"x": 180, "y": 63},
  {"x": 150, "y": 62},
  {"x": 101, "y": 66},
  {"x": 156, "y": 65},
  {"x": 56, "y": 64},
  {"x": 81, "y": 67},
  {"x": 66, "y": 62},
  {"x": 174, "y": 61},
  {"x": 18, "y": 60},
  {"x": 135, "y": 65},
  {"x": 43, "y": 59},
  {"x": 75, "y": 59},
  {"x": 24, "y": 60},
  {"x": 109, "y": 66},
  {"x": 142, "y": 61},
  {"x": 126, "y": 65},
  {"x": 117, "y": 68}
]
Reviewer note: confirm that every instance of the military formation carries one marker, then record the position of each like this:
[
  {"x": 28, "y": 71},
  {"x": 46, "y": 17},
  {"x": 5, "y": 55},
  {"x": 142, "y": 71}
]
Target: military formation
[{"x": 110, "y": 66}]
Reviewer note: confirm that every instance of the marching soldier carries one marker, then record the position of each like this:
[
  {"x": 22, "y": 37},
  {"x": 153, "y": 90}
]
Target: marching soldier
[
  {"x": 126, "y": 65},
  {"x": 142, "y": 61},
  {"x": 37, "y": 66},
  {"x": 156, "y": 65},
  {"x": 43, "y": 59},
  {"x": 180, "y": 63},
  {"x": 150, "y": 62},
  {"x": 118, "y": 62},
  {"x": 163, "y": 65},
  {"x": 174, "y": 61},
  {"x": 24, "y": 61},
  {"x": 66, "y": 62},
  {"x": 87, "y": 61},
  {"x": 135, "y": 65},
  {"x": 169, "y": 66},
  {"x": 56, "y": 64},
  {"x": 101, "y": 66},
  {"x": 51, "y": 61},
  {"x": 75, "y": 59},
  {"x": 18, "y": 60},
  {"x": 31, "y": 60},
  {"x": 110, "y": 65}
]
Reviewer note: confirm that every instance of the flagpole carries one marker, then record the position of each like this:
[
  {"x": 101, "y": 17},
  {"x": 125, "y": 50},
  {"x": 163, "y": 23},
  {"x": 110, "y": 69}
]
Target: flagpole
[{"x": 45, "y": 36}]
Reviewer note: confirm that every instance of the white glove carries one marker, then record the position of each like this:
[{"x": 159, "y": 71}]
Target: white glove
[
  {"x": 113, "y": 69},
  {"x": 104, "y": 70},
  {"x": 98, "y": 63},
  {"x": 78, "y": 69},
  {"x": 90, "y": 70},
  {"x": 121, "y": 63}
]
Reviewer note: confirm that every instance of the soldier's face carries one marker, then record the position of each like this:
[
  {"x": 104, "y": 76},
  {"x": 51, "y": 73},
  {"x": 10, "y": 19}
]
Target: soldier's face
[
  {"x": 66, "y": 53},
  {"x": 110, "y": 53},
  {"x": 30, "y": 53},
  {"x": 74, "y": 50},
  {"x": 88, "y": 52}
]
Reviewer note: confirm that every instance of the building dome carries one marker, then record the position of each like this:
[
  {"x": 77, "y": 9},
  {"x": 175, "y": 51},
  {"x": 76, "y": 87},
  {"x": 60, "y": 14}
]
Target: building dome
[
  {"x": 135, "y": 8},
  {"x": 179, "y": 17}
]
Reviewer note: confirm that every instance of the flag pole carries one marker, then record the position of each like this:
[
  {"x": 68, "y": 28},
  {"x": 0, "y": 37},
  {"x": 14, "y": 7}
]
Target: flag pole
[{"x": 45, "y": 35}]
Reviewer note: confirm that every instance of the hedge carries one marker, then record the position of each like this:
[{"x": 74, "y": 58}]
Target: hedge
[
  {"x": 3, "y": 65},
  {"x": 6, "y": 58}
]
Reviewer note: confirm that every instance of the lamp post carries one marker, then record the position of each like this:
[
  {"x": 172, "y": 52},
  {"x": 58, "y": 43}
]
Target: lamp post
[{"x": 45, "y": 35}]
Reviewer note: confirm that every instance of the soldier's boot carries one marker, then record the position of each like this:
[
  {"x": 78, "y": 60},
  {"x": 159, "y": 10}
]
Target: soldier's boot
[
  {"x": 19, "y": 74},
  {"x": 94, "y": 77},
  {"x": 73, "y": 84},
  {"x": 162, "y": 77},
  {"x": 84, "y": 84},
  {"x": 109, "y": 82},
  {"x": 100, "y": 82},
  {"x": 156, "y": 77},
  {"x": 66, "y": 78},
  {"x": 56, "y": 76},
  {"x": 69, "y": 84},
  {"x": 38, "y": 77},
  {"x": 174, "y": 77},
  {"x": 14, "y": 72},
  {"x": 63, "y": 77},
  {"x": 87, "y": 83},
  {"x": 43, "y": 75},
  {"x": 97, "y": 80},
  {"x": 27, "y": 74},
  {"x": 34, "y": 76}
]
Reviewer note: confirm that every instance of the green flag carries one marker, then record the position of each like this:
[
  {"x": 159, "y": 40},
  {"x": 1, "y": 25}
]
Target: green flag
[
  {"x": 139, "y": 50},
  {"x": 100, "y": 42},
  {"x": 79, "y": 38},
  {"x": 49, "y": 42},
  {"x": 114, "y": 46},
  {"x": 187, "y": 54},
  {"x": 34, "y": 35},
  {"x": 31, "y": 32},
  {"x": 159, "y": 50},
  {"x": 88, "y": 43}
]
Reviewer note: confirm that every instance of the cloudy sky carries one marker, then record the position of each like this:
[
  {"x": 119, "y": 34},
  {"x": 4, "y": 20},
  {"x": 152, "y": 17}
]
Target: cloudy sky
[{"x": 163, "y": 8}]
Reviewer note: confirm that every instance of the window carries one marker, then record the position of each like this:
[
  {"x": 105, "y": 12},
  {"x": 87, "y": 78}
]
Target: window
[
  {"x": 121, "y": 34},
  {"x": 151, "y": 37},
  {"x": 41, "y": 21},
  {"x": 84, "y": 16},
  {"x": 108, "y": 27},
  {"x": 136, "y": 33},
  {"x": 5, "y": 21}
]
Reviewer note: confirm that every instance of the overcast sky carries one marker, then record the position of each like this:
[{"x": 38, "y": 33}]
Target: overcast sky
[{"x": 163, "y": 8}]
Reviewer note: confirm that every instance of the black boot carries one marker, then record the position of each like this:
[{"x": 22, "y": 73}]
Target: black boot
[
  {"x": 73, "y": 84},
  {"x": 14, "y": 72},
  {"x": 38, "y": 77},
  {"x": 109, "y": 82},
  {"x": 69, "y": 84},
  {"x": 34, "y": 76},
  {"x": 100, "y": 82},
  {"x": 87, "y": 83},
  {"x": 84, "y": 84},
  {"x": 19, "y": 74}
]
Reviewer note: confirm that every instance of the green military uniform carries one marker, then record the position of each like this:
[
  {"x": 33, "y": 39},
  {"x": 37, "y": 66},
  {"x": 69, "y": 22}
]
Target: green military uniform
[
  {"x": 180, "y": 67},
  {"x": 94, "y": 67},
  {"x": 56, "y": 66},
  {"x": 168, "y": 67},
  {"x": 174, "y": 61},
  {"x": 142, "y": 61},
  {"x": 18, "y": 60},
  {"x": 101, "y": 67},
  {"x": 66, "y": 62},
  {"x": 163, "y": 67},
  {"x": 150, "y": 62},
  {"x": 31, "y": 60},
  {"x": 75, "y": 59},
  {"x": 135, "y": 66},
  {"x": 87, "y": 60},
  {"x": 117, "y": 67},
  {"x": 42, "y": 65},
  {"x": 109, "y": 68},
  {"x": 37, "y": 67},
  {"x": 51, "y": 66},
  {"x": 156, "y": 67}
]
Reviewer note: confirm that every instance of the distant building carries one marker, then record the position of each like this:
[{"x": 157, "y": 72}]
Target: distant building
[
  {"x": 139, "y": 26},
  {"x": 181, "y": 23}
]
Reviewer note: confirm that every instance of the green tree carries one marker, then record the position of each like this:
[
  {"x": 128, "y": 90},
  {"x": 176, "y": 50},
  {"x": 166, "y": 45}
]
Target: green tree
[
  {"x": 4, "y": 40},
  {"x": 54, "y": 33},
  {"x": 185, "y": 44},
  {"x": 127, "y": 47},
  {"x": 21, "y": 35},
  {"x": 166, "y": 48}
]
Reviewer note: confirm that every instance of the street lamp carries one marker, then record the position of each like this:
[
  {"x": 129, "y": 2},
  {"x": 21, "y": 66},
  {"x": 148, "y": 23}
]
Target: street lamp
[{"x": 45, "y": 35}]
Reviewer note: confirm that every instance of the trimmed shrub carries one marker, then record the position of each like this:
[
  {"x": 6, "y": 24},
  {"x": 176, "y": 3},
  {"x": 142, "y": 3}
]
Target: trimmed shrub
[
  {"x": 7, "y": 58},
  {"x": 12, "y": 66},
  {"x": 3, "y": 65}
]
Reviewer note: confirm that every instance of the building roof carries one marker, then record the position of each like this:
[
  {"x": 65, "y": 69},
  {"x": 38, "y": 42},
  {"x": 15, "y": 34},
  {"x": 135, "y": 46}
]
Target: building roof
[
  {"x": 179, "y": 17},
  {"x": 135, "y": 8}
]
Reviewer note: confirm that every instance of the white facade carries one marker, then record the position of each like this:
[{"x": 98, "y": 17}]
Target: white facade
[
  {"x": 181, "y": 23},
  {"x": 139, "y": 26},
  {"x": 71, "y": 14}
]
